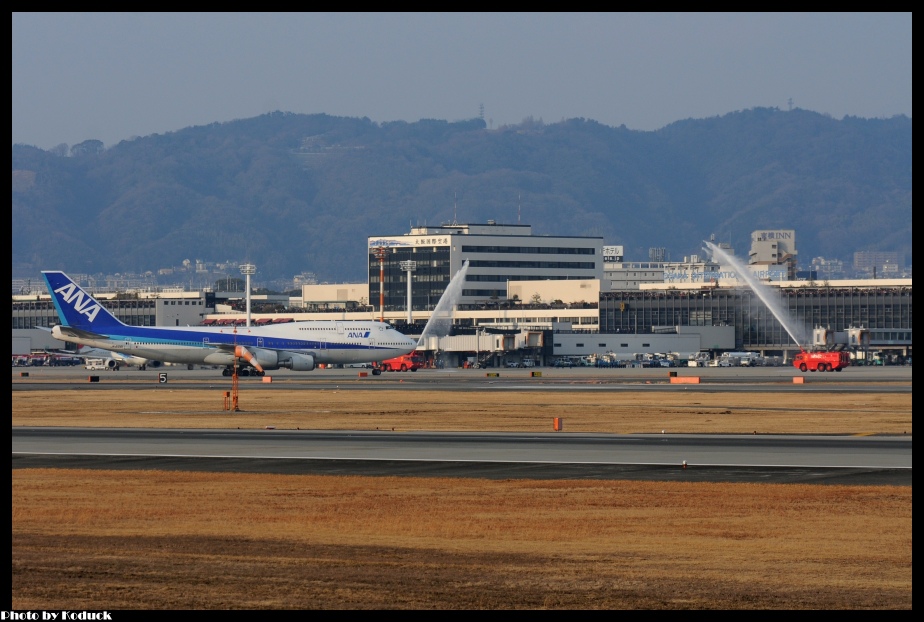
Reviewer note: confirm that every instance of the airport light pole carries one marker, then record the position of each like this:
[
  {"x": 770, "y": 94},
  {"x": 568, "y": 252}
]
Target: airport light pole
[
  {"x": 248, "y": 269},
  {"x": 380, "y": 253},
  {"x": 409, "y": 266}
]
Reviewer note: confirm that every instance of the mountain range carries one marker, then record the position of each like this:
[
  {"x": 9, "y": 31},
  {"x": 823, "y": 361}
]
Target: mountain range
[{"x": 295, "y": 193}]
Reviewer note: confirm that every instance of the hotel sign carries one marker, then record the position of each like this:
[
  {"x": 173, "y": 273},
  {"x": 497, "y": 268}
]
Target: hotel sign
[
  {"x": 766, "y": 236},
  {"x": 612, "y": 253},
  {"x": 411, "y": 240}
]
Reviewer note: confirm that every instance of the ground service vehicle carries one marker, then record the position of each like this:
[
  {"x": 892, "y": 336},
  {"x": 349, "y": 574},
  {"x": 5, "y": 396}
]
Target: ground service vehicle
[
  {"x": 405, "y": 362},
  {"x": 98, "y": 365},
  {"x": 821, "y": 361}
]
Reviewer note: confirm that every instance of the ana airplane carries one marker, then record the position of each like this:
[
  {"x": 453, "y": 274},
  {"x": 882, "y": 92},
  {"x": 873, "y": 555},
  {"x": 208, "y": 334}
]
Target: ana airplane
[
  {"x": 299, "y": 346},
  {"x": 112, "y": 360}
]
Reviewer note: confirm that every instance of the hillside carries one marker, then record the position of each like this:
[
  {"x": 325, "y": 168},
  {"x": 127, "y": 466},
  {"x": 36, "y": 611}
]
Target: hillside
[{"x": 295, "y": 193}]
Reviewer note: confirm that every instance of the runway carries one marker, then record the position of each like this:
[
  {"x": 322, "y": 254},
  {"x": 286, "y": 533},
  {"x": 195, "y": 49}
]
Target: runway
[
  {"x": 556, "y": 455},
  {"x": 711, "y": 379},
  {"x": 817, "y": 459}
]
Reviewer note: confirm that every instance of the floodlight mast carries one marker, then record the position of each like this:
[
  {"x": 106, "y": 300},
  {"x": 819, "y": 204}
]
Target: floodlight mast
[
  {"x": 380, "y": 253},
  {"x": 248, "y": 269},
  {"x": 409, "y": 266}
]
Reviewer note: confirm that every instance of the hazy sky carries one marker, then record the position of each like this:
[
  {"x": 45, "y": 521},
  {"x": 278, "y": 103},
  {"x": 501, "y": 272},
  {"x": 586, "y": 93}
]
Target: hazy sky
[{"x": 112, "y": 76}]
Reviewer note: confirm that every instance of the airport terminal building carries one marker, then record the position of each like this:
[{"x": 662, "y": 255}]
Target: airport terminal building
[
  {"x": 881, "y": 307},
  {"x": 496, "y": 254},
  {"x": 545, "y": 297}
]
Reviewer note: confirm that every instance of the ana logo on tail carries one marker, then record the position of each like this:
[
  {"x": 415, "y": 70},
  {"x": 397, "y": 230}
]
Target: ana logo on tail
[{"x": 82, "y": 303}]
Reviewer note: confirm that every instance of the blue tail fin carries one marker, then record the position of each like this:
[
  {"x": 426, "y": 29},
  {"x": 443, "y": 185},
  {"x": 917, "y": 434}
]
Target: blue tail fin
[{"x": 76, "y": 308}]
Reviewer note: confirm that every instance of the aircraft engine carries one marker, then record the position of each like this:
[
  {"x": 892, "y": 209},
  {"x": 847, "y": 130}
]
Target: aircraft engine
[
  {"x": 112, "y": 363},
  {"x": 154, "y": 364},
  {"x": 268, "y": 359},
  {"x": 296, "y": 362}
]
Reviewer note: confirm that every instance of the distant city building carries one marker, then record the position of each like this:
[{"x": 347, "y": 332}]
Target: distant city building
[
  {"x": 889, "y": 270},
  {"x": 876, "y": 262},
  {"x": 774, "y": 247},
  {"x": 305, "y": 278},
  {"x": 657, "y": 255},
  {"x": 807, "y": 275},
  {"x": 828, "y": 268}
]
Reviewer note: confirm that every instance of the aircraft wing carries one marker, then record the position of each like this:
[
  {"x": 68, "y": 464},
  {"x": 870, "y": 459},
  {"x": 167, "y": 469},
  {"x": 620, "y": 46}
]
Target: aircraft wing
[
  {"x": 120, "y": 358},
  {"x": 77, "y": 333},
  {"x": 63, "y": 353},
  {"x": 88, "y": 353}
]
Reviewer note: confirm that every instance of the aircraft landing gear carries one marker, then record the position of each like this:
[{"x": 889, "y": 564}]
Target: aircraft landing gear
[{"x": 242, "y": 371}]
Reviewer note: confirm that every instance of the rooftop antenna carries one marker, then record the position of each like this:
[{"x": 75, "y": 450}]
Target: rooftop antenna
[
  {"x": 455, "y": 205},
  {"x": 519, "y": 203}
]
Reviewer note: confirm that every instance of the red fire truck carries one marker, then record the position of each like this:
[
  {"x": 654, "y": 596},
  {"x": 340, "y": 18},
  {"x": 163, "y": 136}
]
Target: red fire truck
[
  {"x": 405, "y": 362},
  {"x": 821, "y": 361}
]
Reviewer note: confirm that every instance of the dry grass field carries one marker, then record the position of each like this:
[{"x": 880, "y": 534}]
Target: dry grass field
[
  {"x": 175, "y": 540},
  {"x": 621, "y": 412}
]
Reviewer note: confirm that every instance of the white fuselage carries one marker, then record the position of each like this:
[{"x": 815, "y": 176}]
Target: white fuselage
[{"x": 329, "y": 342}]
